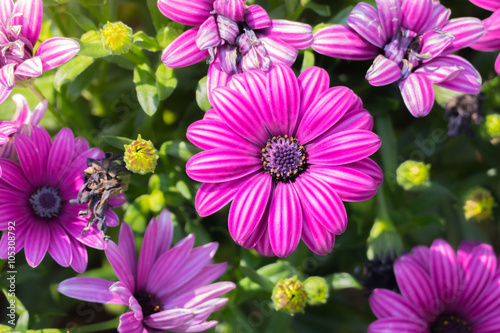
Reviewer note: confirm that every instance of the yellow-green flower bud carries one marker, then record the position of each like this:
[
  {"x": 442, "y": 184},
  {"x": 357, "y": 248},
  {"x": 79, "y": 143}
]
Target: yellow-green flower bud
[
  {"x": 316, "y": 289},
  {"x": 117, "y": 37},
  {"x": 289, "y": 295},
  {"x": 478, "y": 204},
  {"x": 140, "y": 156},
  {"x": 412, "y": 174},
  {"x": 491, "y": 126}
]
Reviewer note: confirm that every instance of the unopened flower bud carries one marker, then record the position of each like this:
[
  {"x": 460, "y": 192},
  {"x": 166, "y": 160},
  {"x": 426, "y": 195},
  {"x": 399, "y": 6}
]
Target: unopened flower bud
[
  {"x": 316, "y": 289},
  {"x": 412, "y": 174},
  {"x": 478, "y": 204},
  {"x": 141, "y": 156},
  {"x": 491, "y": 126},
  {"x": 117, "y": 37},
  {"x": 289, "y": 295}
]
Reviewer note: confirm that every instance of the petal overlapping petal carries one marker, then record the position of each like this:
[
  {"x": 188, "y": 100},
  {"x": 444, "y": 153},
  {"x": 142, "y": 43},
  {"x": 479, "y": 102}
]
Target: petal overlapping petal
[
  {"x": 192, "y": 12},
  {"x": 183, "y": 51},
  {"x": 365, "y": 21}
]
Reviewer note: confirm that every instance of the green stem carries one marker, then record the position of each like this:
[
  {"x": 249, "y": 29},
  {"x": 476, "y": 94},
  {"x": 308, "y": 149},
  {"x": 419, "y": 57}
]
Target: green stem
[
  {"x": 300, "y": 8},
  {"x": 34, "y": 89},
  {"x": 382, "y": 211},
  {"x": 106, "y": 325}
]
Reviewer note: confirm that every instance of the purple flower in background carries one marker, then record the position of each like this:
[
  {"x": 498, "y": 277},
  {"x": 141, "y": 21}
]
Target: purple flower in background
[
  {"x": 411, "y": 42},
  {"x": 441, "y": 292},
  {"x": 35, "y": 194},
  {"x": 167, "y": 289},
  {"x": 286, "y": 151},
  {"x": 235, "y": 38},
  {"x": 22, "y": 123},
  {"x": 20, "y": 25},
  {"x": 491, "y": 39}
]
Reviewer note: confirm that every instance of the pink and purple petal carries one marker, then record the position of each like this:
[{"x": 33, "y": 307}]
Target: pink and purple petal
[
  {"x": 390, "y": 14},
  {"x": 418, "y": 94},
  {"x": 60, "y": 155},
  {"x": 60, "y": 245},
  {"x": 89, "y": 289},
  {"x": 29, "y": 157},
  {"x": 445, "y": 272},
  {"x": 31, "y": 67},
  {"x": 383, "y": 71},
  {"x": 37, "y": 242},
  {"x": 467, "y": 31},
  {"x": 120, "y": 266},
  {"x": 6, "y": 9},
  {"x": 388, "y": 304},
  {"x": 312, "y": 82},
  {"x": 216, "y": 77},
  {"x": 396, "y": 324},
  {"x": 208, "y": 35},
  {"x": 468, "y": 81},
  {"x": 31, "y": 18},
  {"x": 415, "y": 14},
  {"x": 192, "y": 12},
  {"x": 278, "y": 51},
  {"x": 232, "y": 9},
  {"x": 56, "y": 51},
  {"x": 315, "y": 236},
  {"x": 491, "y": 5},
  {"x": 296, "y": 34},
  {"x": 183, "y": 51},
  {"x": 364, "y": 20},
  {"x": 256, "y": 17},
  {"x": 127, "y": 247},
  {"x": 130, "y": 324},
  {"x": 78, "y": 257}
]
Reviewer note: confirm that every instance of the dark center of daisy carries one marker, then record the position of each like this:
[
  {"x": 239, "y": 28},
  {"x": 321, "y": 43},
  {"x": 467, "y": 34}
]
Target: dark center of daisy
[
  {"x": 450, "y": 324},
  {"x": 149, "y": 303},
  {"x": 284, "y": 158},
  {"x": 46, "y": 202}
]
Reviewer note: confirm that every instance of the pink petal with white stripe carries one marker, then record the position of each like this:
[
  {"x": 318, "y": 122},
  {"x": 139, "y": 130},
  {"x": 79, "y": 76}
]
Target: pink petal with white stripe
[
  {"x": 445, "y": 273},
  {"x": 208, "y": 134},
  {"x": 315, "y": 236},
  {"x": 416, "y": 14},
  {"x": 296, "y": 34},
  {"x": 89, "y": 289},
  {"x": 208, "y": 35},
  {"x": 312, "y": 82},
  {"x": 31, "y": 18},
  {"x": 192, "y": 12},
  {"x": 435, "y": 42},
  {"x": 183, "y": 51},
  {"x": 37, "y": 242},
  {"x": 365, "y": 21},
  {"x": 216, "y": 77},
  {"x": 390, "y": 14},
  {"x": 7, "y": 78},
  {"x": 491, "y": 5},
  {"x": 467, "y": 31},
  {"x": 32, "y": 67},
  {"x": 418, "y": 94},
  {"x": 383, "y": 71},
  {"x": 4, "y": 92},
  {"x": 60, "y": 245},
  {"x": 6, "y": 8},
  {"x": 468, "y": 81},
  {"x": 278, "y": 51},
  {"x": 232, "y": 9},
  {"x": 256, "y": 17},
  {"x": 56, "y": 51}
]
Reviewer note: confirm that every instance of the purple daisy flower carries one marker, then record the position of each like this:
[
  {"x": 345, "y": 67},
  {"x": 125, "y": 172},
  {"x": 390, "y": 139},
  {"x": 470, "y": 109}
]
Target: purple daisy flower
[
  {"x": 491, "y": 39},
  {"x": 236, "y": 38},
  {"x": 441, "y": 292},
  {"x": 35, "y": 194},
  {"x": 167, "y": 289},
  {"x": 20, "y": 25},
  {"x": 22, "y": 122},
  {"x": 411, "y": 42},
  {"x": 286, "y": 151}
]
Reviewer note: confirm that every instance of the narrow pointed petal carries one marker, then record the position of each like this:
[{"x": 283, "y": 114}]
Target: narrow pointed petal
[
  {"x": 202, "y": 294},
  {"x": 232, "y": 9},
  {"x": 89, "y": 289},
  {"x": 467, "y": 31},
  {"x": 119, "y": 264},
  {"x": 489, "y": 323},
  {"x": 32, "y": 67},
  {"x": 193, "y": 12},
  {"x": 321, "y": 202},
  {"x": 468, "y": 81},
  {"x": 216, "y": 77},
  {"x": 395, "y": 324},
  {"x": 30, "y": 160},
  {"x": 14, "y": 175},
  {"x": 315, "y": 236},
  {"x": 56, "y": 51},
  {"x": 183, "y": 51},
  {"x": 312, "y": 82},
  {"x": 418, "y": 94},
  {"x": 256, "y": 17},
  {"x": 415, "y": 14},
  {"x": 285, "y": 220},
  {"x": 299, "y": 35},
  {"x": 127, "y": 246},
  {"x": 324, "y": 112},
  {"x": 444, "y": 271},
  {"x": 169, "y": 319},
  {"x": 365, "y": 21},
  {"x": 218, "y": 165},
  {"x": 383, "y": 71},
  {"x": 284, "y": 99},
  {"x": 348, "y": 183},
  {"x": 344, "y": 147},
  {"x": 386, "y": 304},
  {"x": 353, "y": 120},
  {"x": 147, "y": 255},
  {"x": 6, "y": 8},
  {"x": 435, "y": 42},
  {"x": 209, "y": 274},
  {"x": 440, "y": 15},
  {"x": 491, "y": 5},
  {"x": 60, "y": 245},
  {"x": 211, "y": 197},
  {"x": 340, "y": 41},
  {"x": 31, "y": 19},
  {"x": 249, "y": 206},
  {"x": 208, "y": 35},
  {"x": 278, "y": 51},
  {"x": 60, "y": 155},
  {"x": 389, "y": 12},
  {"x": 78, "y": 257},
  {"x": 37, "y": 243},
  {"x": 369, "y": 167},
  {"x": 210, "y": 134}
]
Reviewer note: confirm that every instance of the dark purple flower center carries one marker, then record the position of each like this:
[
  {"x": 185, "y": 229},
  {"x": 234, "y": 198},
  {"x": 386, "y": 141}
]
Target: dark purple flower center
[
  {"x": 46, "y": 202},
  {"x": 284, "y": 158},
  {"x": 149, "y": 303},
  {"x": 450, "y": 324},
  {"x": 14, "y": 47}
]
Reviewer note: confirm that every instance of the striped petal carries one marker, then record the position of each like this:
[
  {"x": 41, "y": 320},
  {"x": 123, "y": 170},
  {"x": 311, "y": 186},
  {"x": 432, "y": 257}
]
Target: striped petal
[
  {"x": 119, "y": 264},
  {"x": 31, "y": 19},
  {"x": 278, "y": 51},
  {"x": 390, "y": 13},
  {"x": 396, "y": 324},
  {"x": 32, "y": 67},
  {"x": 192, "y": 12},
  {"x": 6, "y": 8},
  {"x": 489, "y": 41},
  {"x": 365, "y": 21},
  {"x": 4, "y": 92},
  {"x": 56, "y": 51},
  {"x": 445, "y": 273},
  {"x": 315, "y": 236},
  {"x": 312, "y": 82},
  {"x": 468, "y": 81},
  {"x": 60, "y": 155},
  {"x": 183, "y": 51},
  {"x": 7, "y": 78},
  {"x": 386, "y": 304},
  {"x": 208, "y": 35},
  {"x": 299, "y": 35},
  {"x": 340, "y": 41},
  {"x": 232, "y": 9},
  {"x": 418, "y": 94},
  {"x": 127, "y": 246},
  {"x": 256, "y": 17},
  {"x": 487, "y": 4},
  {"x": 435, "y": 42},
  {"x": 60, "y": 245},
  {"x": 383, "y": 71},
  {"x": 37, "y": 242},
  {"x": 209, "y": 134},
  {"x": 216, "y": 77},
  {"x": 89, "y": 289},
  {"x": 415, "y": 14},
  {"x": 497, "y": 65},
  {"x": 467, "y": 31}
]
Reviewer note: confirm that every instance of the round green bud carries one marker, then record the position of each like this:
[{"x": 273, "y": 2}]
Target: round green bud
[
  {"x": 289, "y": 295},
  {"x": 491, "y": 126},
  {"x": 412, "y": 174},
  {"x": 117, "y": 37},
  {"x": 316, "y": 289},
  {"x": 478, "y": 204},
  {"x": 140, "y": 156}
]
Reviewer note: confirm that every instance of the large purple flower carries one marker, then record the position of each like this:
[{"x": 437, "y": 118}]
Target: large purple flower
[
  {"x": 235, "y": 38},
  {"x": 20, "y": 25},
  {"x": 167, "y": 289},
  {"x": 34, "y": 199},
  {"x": 491, "y": 39},
  {"x": 441, "y": 292},
  {"x": 286, "y": 151},
  {"x": 411, "y": 41},
  {"x": 22, "y": 122}
]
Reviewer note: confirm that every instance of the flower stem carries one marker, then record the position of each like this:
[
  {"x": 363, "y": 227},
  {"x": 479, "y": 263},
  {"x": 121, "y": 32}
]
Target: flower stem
[{"x": 38, "y": 93}]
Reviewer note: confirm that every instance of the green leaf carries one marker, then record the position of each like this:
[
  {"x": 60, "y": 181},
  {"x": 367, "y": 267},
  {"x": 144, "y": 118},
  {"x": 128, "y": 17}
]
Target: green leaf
[
  {"x": 92, "y": 49},
  {"x": 322, "y": 10},
  {"x": 159, "y": 20},
  {"x": 145, "y": 86},
  {"x": 342, "y": 281},
  {"x": 82, "y": 21},
  {"x": 165, "y": 81},
  {"x": 388, "y": 149},
  {"x": 308, "y": 60},
  {"x": 81, "y": 82},
  {"x": 145, "y": 42},
  {"x": 202, "y": 95},
  {"x": 23, "y": 319},
  {"x": 179, "y": 149},
  {"x": 117, "y": 141},
  {"x": 167, "y": 34},
  {"x": 70, "y": 70}
]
